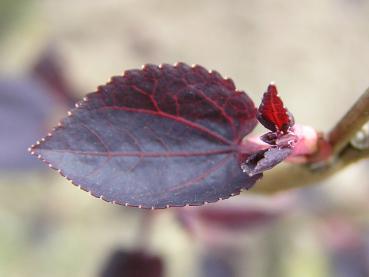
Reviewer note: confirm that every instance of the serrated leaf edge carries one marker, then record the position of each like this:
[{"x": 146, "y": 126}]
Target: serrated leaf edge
[{"x": 126, "y": 204}]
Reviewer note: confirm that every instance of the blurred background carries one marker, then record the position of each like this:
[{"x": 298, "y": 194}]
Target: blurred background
[{"x": 54, "y": 52}]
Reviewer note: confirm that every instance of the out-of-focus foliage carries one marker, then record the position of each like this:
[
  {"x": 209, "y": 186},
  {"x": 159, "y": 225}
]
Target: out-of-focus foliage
[{"x": 25, "y": 107}]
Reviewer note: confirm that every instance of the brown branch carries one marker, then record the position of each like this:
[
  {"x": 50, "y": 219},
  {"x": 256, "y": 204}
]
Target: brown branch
[{"x": 340, "y": 136}]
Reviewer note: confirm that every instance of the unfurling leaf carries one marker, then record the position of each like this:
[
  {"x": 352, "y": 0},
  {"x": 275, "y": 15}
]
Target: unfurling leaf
[
  {"x": 274, "y": 116},
  {"x": 157, "y": 137}
]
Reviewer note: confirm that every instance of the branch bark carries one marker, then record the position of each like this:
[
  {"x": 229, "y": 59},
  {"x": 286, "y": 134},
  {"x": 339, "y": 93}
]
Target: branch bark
[{"x": 350, "y": 124}]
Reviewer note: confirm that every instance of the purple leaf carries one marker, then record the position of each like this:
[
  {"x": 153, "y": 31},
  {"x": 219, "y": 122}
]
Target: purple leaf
[
  {"x": 275, "y": 117},
  {"x": 270, "y": 138},
  {"x": 265, "y": 159},
  {"x": 157, "y": 137},
  {"x": 132, "y": 264},
  {"x": 272, "y": 114}
]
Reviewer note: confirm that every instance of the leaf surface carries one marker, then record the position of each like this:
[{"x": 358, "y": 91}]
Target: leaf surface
[{"x": 157, "y": 137}]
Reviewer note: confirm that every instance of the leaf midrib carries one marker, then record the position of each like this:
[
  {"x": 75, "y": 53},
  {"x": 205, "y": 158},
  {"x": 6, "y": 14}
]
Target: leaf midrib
[{"x": 146, "y": 154}]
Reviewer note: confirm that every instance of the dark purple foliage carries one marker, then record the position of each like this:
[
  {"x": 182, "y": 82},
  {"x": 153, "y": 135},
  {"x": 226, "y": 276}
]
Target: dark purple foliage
[
  {"x": 274, "y": 116},
  {"x": 265, "y": 159},
  {"x": 49, "y": 68},
  {"x": 237, "y": 218},
  {"x": 25, "y": 106},
  {"x": 157, "y": 137},
  {"x": 132, "y": 264}
]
